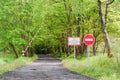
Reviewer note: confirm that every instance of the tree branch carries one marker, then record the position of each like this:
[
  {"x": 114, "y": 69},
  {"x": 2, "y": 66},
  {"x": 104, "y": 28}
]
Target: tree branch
[{"x": 110, "y": 2}]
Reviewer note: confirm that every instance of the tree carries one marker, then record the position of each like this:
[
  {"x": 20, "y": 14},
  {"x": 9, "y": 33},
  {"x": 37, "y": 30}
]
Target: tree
[{"x": 103, "y": 6}]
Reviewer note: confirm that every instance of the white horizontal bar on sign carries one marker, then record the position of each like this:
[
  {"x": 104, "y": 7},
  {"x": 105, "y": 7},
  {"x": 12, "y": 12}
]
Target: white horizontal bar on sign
[{"x": 89, "y": 39}]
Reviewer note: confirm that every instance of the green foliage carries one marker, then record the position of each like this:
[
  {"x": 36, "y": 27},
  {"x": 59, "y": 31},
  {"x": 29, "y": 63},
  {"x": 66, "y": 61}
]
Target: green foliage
[
  {"x": 16, "y": 24},
  {"x": 20, "y": 20},
  {"x": 114, "y": 19}
]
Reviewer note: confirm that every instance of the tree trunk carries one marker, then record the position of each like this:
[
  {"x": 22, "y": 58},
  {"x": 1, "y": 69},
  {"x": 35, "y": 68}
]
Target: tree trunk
[
  {"x": 107, "y": 42},
  {"x": 83, "y": 46},
  {"x": 94, "y": 48},
  {"x": 103, "y": 17},
  {"x": 68, "y": 24},
  {"x": 13, "y": 48},
  {"x": 104, "y": 49},
  {"x": 78, "y": 48}
]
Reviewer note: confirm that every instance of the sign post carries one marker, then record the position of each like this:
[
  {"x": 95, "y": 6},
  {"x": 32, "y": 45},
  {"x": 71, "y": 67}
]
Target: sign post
[
  {"x": 74, "y": 52},
  {"x": 88, "y": 55},
  {"x": 74, "y": 41},
  {"x": 89, "y": 40}
]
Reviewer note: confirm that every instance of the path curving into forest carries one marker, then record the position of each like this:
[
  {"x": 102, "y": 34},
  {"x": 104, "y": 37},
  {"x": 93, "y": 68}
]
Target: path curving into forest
[{"x": 45, "y": 68}]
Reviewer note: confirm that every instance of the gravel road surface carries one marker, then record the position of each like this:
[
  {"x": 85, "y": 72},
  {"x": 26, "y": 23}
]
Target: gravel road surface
[{"x": 45, "y": 68}]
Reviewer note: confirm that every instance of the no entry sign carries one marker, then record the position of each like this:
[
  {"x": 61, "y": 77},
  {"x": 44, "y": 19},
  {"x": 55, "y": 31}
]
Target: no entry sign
[{"x": 89, "y": 39}]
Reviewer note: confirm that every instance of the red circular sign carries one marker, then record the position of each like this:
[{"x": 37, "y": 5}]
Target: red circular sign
[{"x": 89, "y": 39}]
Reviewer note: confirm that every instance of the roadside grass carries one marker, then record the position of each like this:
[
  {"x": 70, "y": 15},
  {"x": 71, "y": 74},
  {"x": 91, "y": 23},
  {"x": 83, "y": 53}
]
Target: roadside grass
[
  {"x": 8, "y": 62},
  {"x": 101, "y": 67}
]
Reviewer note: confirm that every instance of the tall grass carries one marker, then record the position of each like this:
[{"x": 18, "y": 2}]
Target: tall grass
[
  {"x": 8, "y": 62},
  {"x": 100, "y": 67}
]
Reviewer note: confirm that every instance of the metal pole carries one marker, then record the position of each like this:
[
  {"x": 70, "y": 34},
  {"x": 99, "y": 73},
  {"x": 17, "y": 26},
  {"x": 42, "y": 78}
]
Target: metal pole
[
  {"x": 88, "y": 55},
  {"x": 74, "y": 52}
]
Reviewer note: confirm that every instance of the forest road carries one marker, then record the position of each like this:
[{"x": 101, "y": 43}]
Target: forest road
[{"x": 45, "y": 68}]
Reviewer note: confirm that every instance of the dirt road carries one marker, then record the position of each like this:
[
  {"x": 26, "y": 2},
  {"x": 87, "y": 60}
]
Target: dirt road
[{"x": 45, "y": 68}]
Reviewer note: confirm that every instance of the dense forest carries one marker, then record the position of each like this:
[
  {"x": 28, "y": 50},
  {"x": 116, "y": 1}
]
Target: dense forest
[{"x": 43, "y": 27}]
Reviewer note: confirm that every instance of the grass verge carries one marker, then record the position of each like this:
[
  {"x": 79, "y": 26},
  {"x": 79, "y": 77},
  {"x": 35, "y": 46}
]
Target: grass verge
[
  {"x": 101, "y": 67},
  {"x": 9, "y": 62}
]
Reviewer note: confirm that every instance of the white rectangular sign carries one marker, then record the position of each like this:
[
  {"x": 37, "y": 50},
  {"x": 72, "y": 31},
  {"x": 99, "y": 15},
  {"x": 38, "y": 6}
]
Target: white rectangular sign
[{"x": 74, "y": 41}]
